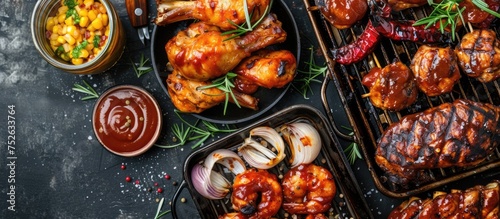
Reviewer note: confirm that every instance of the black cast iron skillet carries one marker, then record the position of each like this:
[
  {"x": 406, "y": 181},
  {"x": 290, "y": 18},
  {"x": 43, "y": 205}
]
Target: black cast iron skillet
[{"x": 267, "y": 97}]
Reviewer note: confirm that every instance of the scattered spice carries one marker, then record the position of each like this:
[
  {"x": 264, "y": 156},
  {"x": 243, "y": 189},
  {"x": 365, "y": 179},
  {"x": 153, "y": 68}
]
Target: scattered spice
[
  {"x": 159, "y": 190},
  {"x": 123, "y": 167},
  {"x": 128, "y": 179},
  {"x": 167, "y": 177},
  {"x": 183, "y": 200}
]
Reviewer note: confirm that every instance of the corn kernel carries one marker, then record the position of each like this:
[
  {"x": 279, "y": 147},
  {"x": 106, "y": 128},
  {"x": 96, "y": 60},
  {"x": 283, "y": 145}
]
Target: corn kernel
[
  {"x": 67, "y": 47},
  {"x": 92, "y": 14},
  {"x": 90, "y": 46},
  {"x": 69, "y": 21},
  {"x": 97, "y": 24},
  {"x": 57, "y": 29},
  {"x": 77, "y": 61},
  {"x": 83, "y": 13},
  {"x": 61, "y": 18},
  {"x": 50, "y": 23},
  {"x": 79, "y": 2},
  {"x": 53, "y": 36},
  {"x": 96, "y": 51},
  {"x": 101, "y": 8},
  {"x": 69, "y": 39},
  {"x": 88, "y": 3},
  {"x": 91, "y": 28},
  {"x": 55, "y": 43},
  {"x": 105, "y": 19},
  {"x": 70, "y": 29},
  {"x": 84, "y": 53},
  {"x": 61, "y": 40},
  {"x": 62, "y": 9},
  {"x": 84, "y": 21},
  {"x": 107, "y": 32}
]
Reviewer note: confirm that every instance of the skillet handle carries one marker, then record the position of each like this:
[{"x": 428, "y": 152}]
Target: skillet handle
[
  {"x": 177, "y": 193},
  {"x": 329, "y": 113}
]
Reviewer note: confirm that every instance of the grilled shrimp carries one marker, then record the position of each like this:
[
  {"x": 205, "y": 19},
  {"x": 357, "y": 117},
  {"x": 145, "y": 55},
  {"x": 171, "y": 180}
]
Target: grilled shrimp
[
  {"x": 257, "y": 194},
  {"x": 308, "y": 189}
]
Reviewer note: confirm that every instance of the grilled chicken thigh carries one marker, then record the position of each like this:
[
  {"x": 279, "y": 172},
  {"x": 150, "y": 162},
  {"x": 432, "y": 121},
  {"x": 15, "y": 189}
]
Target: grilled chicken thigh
[
  {"x": 478, "y": 202},
  {"x": 462, "y": 133},
  {"x": 342, "y": 13},
  {"x": 392, "y": 87},
  {"x": 215, "y": 12},
  {"x": 201, "y": 53},
  {"x": 435, "y": 69},
  {"x": 269, "y": 69},
  {"x": 187, "y": 96},
  {"x": 479, "y": 55}
]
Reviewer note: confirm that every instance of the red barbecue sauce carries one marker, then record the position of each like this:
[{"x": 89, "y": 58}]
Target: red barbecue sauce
[{"x": 126, "y": 120}]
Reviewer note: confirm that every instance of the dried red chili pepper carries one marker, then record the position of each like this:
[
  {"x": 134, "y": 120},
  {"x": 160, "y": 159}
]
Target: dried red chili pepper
[
  {"x": 359, "y": 49},
  {"x": 404, "y": 30}
]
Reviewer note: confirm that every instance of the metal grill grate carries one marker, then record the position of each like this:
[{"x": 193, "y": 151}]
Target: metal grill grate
[{"x": 369, "y": 122}]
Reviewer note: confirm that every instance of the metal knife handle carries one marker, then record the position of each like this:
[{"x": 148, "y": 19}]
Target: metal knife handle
[{"x": 137, "y": 11}]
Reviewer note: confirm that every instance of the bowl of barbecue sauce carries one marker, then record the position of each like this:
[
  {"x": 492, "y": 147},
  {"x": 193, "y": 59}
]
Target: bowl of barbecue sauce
[{"x": 127, "y": 120}]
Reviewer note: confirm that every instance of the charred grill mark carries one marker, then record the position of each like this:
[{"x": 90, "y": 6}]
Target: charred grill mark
[{"x": 460, "y": 134}]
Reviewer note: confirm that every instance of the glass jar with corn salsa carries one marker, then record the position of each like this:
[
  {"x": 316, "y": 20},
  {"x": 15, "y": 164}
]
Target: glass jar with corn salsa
[{"x": 78, "y": 31}]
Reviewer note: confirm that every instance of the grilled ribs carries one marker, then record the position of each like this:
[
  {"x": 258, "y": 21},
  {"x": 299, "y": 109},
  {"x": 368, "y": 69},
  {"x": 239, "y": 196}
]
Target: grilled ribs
[
  {"x": 463, "y": 133},
  {"x": 480, "y": 202}
]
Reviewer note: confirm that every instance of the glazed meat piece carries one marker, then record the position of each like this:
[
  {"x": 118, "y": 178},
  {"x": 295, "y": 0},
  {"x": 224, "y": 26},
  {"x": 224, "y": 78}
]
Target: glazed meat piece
[
  {"x": 269, "y": 69},
  {"x": 399, "y": 5},
  {"x": 479, "y": 55},
  {"x": 462, "y": 133},
  {"x": 219, "y": 12},
  {"x": 435, "y": 69},
  {"x": 187, "y": 97},
  {"x": 201, "y": 53},
  {"x": 257, "y": 194},
  {"x": 477, "y": 17},
  {"x": 392, "y": 87},
  {"x": 308, "y": 189},
  {"x": 478, "y": 202},
  {"x": 342, "y": 13}
]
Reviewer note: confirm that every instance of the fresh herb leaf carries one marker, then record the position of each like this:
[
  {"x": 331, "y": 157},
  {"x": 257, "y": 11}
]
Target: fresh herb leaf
[
  {"x": 70, "y": 3},
  {"x": 97, "y": 40},
  {"x": 483, "y": 6},
  {"x": 226, "y": 85},
  {"x": 194, "y": 133},
  {"x": 352, "y": 151},
  {"x": 140, "y": 68},
  {"x": 160, "y": 214},
  {"x": 445, "y": 13},
  {"x": 91, "y": 93},
  {"x": 303, "y": 83},
  {"x": 247, "y": 26},
  {"x": 78, "y": 49},
  {"x": 73, "y": 13}
]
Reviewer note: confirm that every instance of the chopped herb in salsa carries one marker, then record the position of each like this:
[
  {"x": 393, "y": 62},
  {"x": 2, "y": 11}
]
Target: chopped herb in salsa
[
  {"x": 97, "y": 40},
  {"x": 78, "y": 49}
]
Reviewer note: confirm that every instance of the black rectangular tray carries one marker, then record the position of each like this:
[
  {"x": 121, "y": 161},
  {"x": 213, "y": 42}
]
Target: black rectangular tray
[{"x": 348, "y": 202}]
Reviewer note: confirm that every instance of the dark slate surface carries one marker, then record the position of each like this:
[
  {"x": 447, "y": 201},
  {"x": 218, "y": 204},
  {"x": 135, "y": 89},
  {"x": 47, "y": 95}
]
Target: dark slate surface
[{"x": 62, "y": 171}]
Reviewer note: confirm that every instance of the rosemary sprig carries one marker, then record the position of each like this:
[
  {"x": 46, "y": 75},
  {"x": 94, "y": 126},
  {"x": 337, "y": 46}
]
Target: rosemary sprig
[
  {"x": 91, "y": 93},
  {"x": 352, "y": 151},
  {"x": 483, "y": 6},
  {"x": 193, "y": 132},
  {"x": 139, "y": 68},
  {"x": 303, "y": 84},
  {"x": 247, "y": 26},
  {"x": 160, "y": 214},
  {"x": 446, "y": 13},
  {"x": 226, "y": 85}
]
